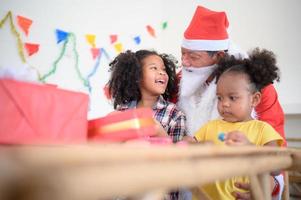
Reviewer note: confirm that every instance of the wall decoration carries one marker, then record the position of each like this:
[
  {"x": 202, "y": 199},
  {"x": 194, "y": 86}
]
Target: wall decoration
[
  {"x": 118, "y": 47},
  {"x": 31, "y": 48},
  {"x": 70, "y": 38},
  {"x": 164, "y": 25},
  {"x": 8, "y": 16},
  {"x": 24, "y": 24},
  {"x": 151, "y": 31},
  {"x": 95, "y": 52},
  {"x": 102, "y": 52},
  {"x": 91, "y": 39},
  {"x": 61, "y": 35},
  {"x": 137, "y": 39},
  {"x": 113, "y": 38},
  {"x": 66, "y": 38}
]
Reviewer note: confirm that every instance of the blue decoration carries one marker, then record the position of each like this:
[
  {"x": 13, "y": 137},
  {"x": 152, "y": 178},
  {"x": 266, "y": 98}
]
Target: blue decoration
[
  {"x": 61, "y": 35},
  {"x": 137, "y": 40},
  {"x": 221, "y": 136}
]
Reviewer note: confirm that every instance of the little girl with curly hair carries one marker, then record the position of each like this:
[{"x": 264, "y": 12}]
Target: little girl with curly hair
[
  {"x": 239, "y": 85},
  {"x": 147, "y": 79}
]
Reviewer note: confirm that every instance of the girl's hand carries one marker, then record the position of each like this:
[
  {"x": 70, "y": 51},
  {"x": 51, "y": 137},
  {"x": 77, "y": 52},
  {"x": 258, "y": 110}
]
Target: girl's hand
[
  {"x": 236, "y": 138},
  {"x": 247, "y": 187},
  {"x": 159, "y": 130},
  {"x": 189, "y": 139},
  {"x": 242, "y": 195}
]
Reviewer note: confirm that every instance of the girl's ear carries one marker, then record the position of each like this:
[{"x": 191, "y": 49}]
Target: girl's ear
[
  {"x": 217, "y": 56},
  {"x": 256, "y": 99},
  {"x": 220, "y": 55}
]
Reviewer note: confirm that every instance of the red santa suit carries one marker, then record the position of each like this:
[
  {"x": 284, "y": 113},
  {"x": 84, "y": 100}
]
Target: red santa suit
[{"x": 270, "y": 110}]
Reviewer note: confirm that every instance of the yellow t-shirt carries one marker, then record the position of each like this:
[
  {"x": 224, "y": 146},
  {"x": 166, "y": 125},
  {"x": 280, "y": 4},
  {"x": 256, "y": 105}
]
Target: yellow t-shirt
[{"x": 258, "y": 133}]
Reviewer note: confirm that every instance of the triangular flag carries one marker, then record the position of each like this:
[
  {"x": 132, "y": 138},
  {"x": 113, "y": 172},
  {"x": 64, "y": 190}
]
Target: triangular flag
[
  {"x": 113, "y": 38},
  {"x": 151, "y": 30},
  {"x": 61, "y": 35},
  {"x": 31, "y": 48},
  {"x": 95, "y": 52},
  {"x": 164, "y": 25},
  {"x": 91, "y": 39},
  {"x": 118, "y": 47},
  {"x": 137, "y": 39},
  {"x": 24, "y": 23}
]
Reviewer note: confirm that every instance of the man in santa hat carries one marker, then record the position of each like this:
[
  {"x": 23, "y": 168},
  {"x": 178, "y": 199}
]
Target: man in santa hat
[{"x": 205, "y": 41}]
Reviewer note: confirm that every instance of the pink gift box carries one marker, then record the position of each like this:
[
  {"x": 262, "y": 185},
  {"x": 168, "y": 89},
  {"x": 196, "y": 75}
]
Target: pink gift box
[{"x": 41, "y": 114}]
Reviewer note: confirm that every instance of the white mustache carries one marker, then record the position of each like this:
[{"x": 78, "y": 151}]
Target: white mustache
[{"x": 193, "y": 78}]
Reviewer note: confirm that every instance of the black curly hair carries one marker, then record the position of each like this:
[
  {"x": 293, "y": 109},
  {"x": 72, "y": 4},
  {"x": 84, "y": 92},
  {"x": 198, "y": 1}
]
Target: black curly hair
[
  {"x": 260, "y": 67},
  {"x": 126, "y": 74}
]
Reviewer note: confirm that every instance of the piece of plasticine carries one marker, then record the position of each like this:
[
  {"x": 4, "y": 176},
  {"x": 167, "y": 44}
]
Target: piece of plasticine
[{"x": 221, "y": 136}]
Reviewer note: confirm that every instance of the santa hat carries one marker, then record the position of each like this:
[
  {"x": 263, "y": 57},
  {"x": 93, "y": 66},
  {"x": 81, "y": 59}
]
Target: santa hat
[{"x": 207, "y": 31}]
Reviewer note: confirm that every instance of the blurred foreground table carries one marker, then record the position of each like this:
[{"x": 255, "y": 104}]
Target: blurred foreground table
[{"x": 90, "y": 172}]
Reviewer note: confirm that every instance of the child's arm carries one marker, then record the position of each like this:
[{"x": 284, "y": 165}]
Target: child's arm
[
  {"x": 160, "y": 131},
  {"x": 247, "y": 187},
  {"x": 272, "y": 144},
  {"x": 236, "y": 138},
  {"x": 189, "y": 139}
]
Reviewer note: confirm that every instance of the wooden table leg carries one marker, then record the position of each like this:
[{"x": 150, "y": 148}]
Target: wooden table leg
[{"x": 260, "y": 187}]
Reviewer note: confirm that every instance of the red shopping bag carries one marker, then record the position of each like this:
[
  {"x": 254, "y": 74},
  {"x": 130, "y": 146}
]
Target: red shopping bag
[
  {"x": 122, "y": 126},
  {"x": 41, "y": 114}
]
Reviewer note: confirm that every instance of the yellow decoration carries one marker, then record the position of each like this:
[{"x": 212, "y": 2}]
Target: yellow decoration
[
  {"x": 91, "y": 39},
  {"x": 118, "y": 47},
  {"x": 14, "y": 31}
]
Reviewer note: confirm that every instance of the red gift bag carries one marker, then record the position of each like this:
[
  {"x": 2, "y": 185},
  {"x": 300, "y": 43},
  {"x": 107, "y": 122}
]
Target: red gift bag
[
  {"x": 121, "y": 126},
  {"x": 41, "y": 114}
]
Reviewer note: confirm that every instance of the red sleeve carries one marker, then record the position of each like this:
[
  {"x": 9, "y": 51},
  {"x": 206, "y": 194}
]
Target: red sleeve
[
  {"x": 174, "y": 97},
  {"x": 270, "y": 110}
]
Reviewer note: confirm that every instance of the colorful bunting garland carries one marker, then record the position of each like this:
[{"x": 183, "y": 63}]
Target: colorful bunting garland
[
  {"x": 151, "y": 31},
  {"x": 8, "y": 16},
  {"x": 164, "y": 25},
  {"x": 113, "y": 38},
  {"x": 118, "y": 47},
  {"x": 95, "y": 52},
  {"x": 137, "y": 40},
  {"x": 93, "y": 71},
  {"x": 31, "y": 48},
  {"x": 95, "y": 68},
  {"x": 66, "y": 37},
  {"x": 61, "y": 35},
  {"x": 91, "y": 39},
  {"x": 24, "y": 23},
  {"x": 105, "y": 53},
  {"x": 71, "y": 37}
]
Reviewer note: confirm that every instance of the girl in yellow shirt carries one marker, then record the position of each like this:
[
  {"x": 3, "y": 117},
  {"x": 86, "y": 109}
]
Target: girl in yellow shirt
[{"x": 239, "y": 82}]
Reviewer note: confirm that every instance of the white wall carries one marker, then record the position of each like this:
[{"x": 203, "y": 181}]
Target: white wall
[
  {"x": 275, "y": 25},
  {"x": 293, "y": 128}
]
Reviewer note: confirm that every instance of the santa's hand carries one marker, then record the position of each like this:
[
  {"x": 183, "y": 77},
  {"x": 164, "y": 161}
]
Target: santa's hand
[{"x": 236, "y": 138}]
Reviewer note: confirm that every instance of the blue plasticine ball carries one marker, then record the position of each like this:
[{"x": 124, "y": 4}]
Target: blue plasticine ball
[{"x": 221, "y": 136}]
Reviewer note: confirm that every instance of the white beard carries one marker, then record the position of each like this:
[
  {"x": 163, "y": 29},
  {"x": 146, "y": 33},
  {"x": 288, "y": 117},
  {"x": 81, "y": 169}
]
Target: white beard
[
  {"x": 193, "y": 78},
  {"x": 196, "y": 99}
]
